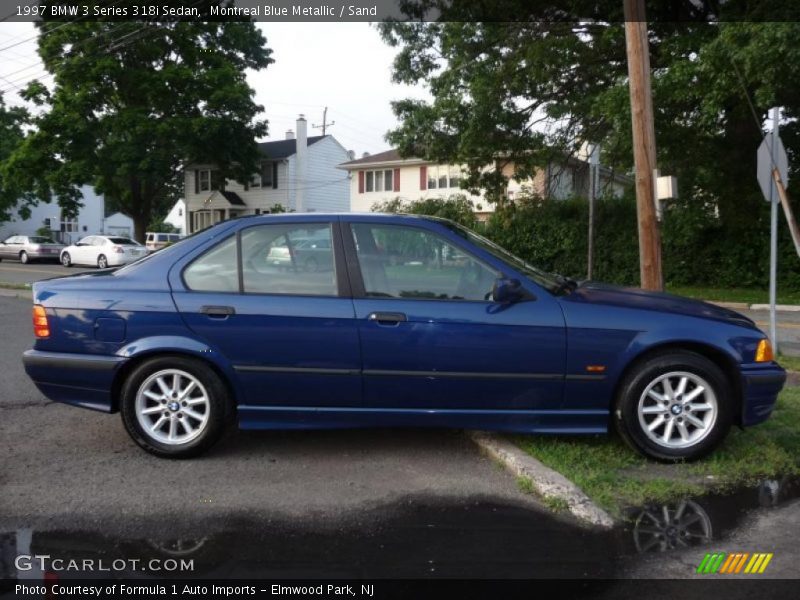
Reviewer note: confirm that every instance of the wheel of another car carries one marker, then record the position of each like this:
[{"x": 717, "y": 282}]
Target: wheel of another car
[
  {"x": 66, "y": 259},
  {"x": 674, "y": 406},
  {"x": 23, "y": 257},
  {"x": 174, "y": 407},
  {"x": 102, "y": 261}
]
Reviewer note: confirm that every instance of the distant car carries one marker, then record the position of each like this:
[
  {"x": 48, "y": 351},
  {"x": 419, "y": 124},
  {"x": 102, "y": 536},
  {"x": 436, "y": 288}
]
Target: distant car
[
  {"x": 306, "y": 254},
  {"x": 26, "y": 248},
  {"x": 102, "y": 251},
  {"x": 156, "y": 241},
  {"x": 210, "y": 329}
]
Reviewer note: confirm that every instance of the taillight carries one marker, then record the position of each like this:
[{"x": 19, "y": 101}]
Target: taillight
[
  {"x": 41, "y": 329},
  {"x": 118, "y": 249}
]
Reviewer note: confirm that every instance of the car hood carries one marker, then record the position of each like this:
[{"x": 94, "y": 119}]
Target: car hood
[{"x": 599, "y": 293}]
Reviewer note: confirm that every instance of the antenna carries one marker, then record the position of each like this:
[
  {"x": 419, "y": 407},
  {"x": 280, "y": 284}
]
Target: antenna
[{"x": 325, "y": 123}]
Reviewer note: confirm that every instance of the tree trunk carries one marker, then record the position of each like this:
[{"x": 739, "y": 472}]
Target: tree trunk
[{"x": 139, "y": 228}]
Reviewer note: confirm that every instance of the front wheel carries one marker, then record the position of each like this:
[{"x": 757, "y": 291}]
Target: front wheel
[
  {"x": 674, "y": 406},
  {"x": 174, "y": 407},
  {"x": 66, "y": 259}
]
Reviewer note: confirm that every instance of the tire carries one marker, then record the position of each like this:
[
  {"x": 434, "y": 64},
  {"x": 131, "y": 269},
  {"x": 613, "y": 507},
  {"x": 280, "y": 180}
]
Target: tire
[
  {"x": 23, "y": 257},
  {"x": 650, "y": 398},
  {"x": 66, "y": 259},
  {"x": 102, "y": 262},
  {"x": 161, "y": 431}
]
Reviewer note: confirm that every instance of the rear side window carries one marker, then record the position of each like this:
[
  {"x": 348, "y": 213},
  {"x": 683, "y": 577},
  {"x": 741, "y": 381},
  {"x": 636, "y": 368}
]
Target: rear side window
[
  {"x": 289, "y": 259},
  {"x": 215, "y": 270}
]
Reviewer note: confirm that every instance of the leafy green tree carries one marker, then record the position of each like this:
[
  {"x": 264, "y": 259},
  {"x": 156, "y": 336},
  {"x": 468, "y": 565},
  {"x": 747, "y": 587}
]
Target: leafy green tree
[
  {"x": 134, "y": 101},
  {"x": 528, "y": 93},
  {"x": 12, "y": 121},
  {"x": 455, "y": 207}
]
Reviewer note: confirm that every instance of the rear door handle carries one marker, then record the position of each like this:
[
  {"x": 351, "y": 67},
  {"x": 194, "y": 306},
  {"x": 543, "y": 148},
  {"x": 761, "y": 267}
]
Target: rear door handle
[
  {"x": 218, "y": 312},
  {"x": 387, "y": 318}
]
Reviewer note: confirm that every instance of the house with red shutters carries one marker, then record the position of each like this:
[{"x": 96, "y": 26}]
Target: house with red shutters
[{"x": 377, "y": 178}]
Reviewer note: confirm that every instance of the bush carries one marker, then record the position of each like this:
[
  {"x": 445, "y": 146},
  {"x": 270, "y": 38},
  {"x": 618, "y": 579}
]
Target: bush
[{"x": 697, "y": 250}]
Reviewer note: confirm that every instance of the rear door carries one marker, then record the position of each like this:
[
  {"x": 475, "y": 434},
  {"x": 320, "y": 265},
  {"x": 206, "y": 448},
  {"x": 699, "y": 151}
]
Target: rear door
[
  {"x": 431, "y": 335},
  {"x": 289, "y": 332}
]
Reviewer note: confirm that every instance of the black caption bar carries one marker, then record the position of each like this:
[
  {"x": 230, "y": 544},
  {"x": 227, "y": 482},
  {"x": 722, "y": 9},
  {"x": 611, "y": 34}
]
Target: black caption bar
[{"x": 404, "y": 10}]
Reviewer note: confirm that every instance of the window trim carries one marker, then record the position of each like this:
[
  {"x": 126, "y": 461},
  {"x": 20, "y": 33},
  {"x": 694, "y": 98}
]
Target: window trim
[
  {"x": 357, "y": 278},
  {"x": 343, "y": 289}
]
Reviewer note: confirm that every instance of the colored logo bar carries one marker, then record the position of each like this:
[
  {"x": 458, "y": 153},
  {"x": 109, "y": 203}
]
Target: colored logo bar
[{"x": 734, "y": 563}]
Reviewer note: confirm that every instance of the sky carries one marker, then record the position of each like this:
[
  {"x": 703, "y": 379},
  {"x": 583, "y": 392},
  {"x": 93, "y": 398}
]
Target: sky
[{"x": 344, "y": 66}]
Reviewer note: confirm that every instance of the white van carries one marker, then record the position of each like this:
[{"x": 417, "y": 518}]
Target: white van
[{"x": 156, "y": 241}]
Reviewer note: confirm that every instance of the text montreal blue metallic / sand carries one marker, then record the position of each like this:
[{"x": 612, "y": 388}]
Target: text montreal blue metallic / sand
[{"x": 307, "y": 321}]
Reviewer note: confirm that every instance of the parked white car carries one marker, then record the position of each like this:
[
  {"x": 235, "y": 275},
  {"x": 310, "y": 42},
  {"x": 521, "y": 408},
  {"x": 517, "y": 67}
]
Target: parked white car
[{"x": 102, "y": 251}]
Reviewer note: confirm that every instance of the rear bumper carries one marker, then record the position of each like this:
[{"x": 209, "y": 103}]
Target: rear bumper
[
  {"x": 83, "y": 380},
  {"x": 760, "y": 388}
]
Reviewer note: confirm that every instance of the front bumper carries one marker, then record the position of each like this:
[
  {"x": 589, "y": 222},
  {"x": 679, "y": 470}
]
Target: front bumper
[
  {"x": 79, "y": 379},
  {"x": 761, "y": 385}
]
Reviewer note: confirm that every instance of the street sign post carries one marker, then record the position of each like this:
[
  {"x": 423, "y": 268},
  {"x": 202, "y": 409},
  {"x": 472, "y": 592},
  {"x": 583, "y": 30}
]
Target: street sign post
[{"x": 771, "y": 156}]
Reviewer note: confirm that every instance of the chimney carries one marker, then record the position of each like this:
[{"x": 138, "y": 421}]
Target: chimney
[
  {"x": 301, "y": 167},
  {"x": 289, "y": 134}
]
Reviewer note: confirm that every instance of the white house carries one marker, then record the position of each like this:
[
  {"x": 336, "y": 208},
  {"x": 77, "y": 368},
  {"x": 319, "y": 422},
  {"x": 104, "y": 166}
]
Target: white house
[
  {"x": 384, "y": 176},
  {"x": 177, "y": 216},
  {"x": 298, "y": 174},
  {"x": 91, "y": 219}
]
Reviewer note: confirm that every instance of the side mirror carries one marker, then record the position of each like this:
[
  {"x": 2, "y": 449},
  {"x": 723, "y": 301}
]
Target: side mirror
[{"x": 506, "y": 291}]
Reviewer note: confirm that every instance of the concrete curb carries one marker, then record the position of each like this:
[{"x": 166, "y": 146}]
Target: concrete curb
[
  {"x": 745, "y": 306},
  {"x": 14, "y": 293},
  {"x": 546, "y": 481}
]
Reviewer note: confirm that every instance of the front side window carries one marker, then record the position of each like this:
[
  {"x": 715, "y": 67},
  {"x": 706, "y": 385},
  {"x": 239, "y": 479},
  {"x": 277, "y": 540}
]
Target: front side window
[
  {"x": 215, "y": 270},
  {"x": 409, "y": 262},
  {"x": 289, "y": 259}
]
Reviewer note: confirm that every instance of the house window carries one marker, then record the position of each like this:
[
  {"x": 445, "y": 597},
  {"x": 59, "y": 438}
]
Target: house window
[
  {"x": 208, "y": 180},
  {"x": 443, "y": 177},
  {"x": 69, "y": 225},
  {"x": 255, "y": 181},
  {"x": 269, "y": 174},
  {"x": 379, "y": 181}
]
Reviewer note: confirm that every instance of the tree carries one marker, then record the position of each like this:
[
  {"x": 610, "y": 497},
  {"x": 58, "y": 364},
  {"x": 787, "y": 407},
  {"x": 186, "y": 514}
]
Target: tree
[
  {"x": 12, "y": 121},
  {"x": 134, "y": 101},
  {"x": 529, "y": 92}
]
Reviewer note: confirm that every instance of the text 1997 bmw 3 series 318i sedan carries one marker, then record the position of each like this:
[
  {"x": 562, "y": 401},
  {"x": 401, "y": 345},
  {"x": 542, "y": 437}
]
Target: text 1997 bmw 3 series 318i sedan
[{"x": 413, "y": 321}]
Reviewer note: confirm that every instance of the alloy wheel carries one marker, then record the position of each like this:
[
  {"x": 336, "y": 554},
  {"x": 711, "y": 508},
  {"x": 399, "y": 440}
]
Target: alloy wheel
[{"x": 172, "y": 406}]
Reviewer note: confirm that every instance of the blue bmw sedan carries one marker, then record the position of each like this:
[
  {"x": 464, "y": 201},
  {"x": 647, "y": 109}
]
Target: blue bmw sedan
[{"x": 397, "y": 321}]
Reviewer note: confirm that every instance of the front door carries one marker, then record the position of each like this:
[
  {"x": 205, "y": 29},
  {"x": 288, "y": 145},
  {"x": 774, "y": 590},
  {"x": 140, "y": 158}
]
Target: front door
[
  {"x": 287, "y": 330},
  {"x": 431, "y": 335}
]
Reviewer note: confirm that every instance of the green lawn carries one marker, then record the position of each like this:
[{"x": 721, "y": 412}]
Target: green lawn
[
  {"x": 615, "y": 476},
  {"x": 746, "y": 295}
]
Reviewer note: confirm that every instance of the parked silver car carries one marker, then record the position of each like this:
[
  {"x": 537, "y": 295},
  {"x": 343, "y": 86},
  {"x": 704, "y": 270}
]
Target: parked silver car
[{"x": 25, "y": 248}]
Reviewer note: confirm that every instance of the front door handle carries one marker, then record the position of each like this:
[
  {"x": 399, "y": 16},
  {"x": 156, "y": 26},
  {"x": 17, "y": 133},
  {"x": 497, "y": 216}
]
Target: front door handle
[
  {"x": 218, "y": 312},
  {"x": 387, "y": 318}
]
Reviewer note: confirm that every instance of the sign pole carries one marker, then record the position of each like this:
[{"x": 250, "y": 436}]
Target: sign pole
[{"x": 773, "y": 244}]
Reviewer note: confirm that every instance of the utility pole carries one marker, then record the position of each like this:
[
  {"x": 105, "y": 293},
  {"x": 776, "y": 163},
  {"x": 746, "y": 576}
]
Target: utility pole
[
  {"x": 325, "y": 123},
  {"x": 644, "y": 144},
  {"x": 773, "y": 239}
]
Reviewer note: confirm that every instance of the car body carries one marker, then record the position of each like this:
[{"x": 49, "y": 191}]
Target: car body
[
  {"x": 102, "y": 251},
  {"x": 25, "y": 248},
  {"x": 156, "y": 240},
  {"x": 393, "y": 335}
]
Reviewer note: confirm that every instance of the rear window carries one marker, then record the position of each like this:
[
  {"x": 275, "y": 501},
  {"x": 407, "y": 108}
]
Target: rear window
[{"x": 123, "y": 241}]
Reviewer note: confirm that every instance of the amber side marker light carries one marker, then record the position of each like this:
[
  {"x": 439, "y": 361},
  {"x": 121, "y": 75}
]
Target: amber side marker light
[
  {"x": 41, "y": 329},
  {"x": 764, "y": 351},
  {"x": 595, "y": 368}
]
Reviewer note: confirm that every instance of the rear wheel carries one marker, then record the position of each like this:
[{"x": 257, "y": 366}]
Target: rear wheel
[
  {"x": 23, "y": 257},
  {"x": 102, "y": 261},
  {"x": 66, "y": 259},
  {"x": 174, "y": 407},
  {"x": 674, "y": 406}
]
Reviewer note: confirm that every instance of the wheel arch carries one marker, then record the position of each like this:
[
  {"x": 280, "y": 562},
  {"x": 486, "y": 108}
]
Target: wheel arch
[
  {"x": 719, "y": 357},
  {"x": 130, "y": 365}
]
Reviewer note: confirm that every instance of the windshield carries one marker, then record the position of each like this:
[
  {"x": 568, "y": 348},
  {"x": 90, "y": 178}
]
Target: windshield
[{"x": 550, "y": 281}]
